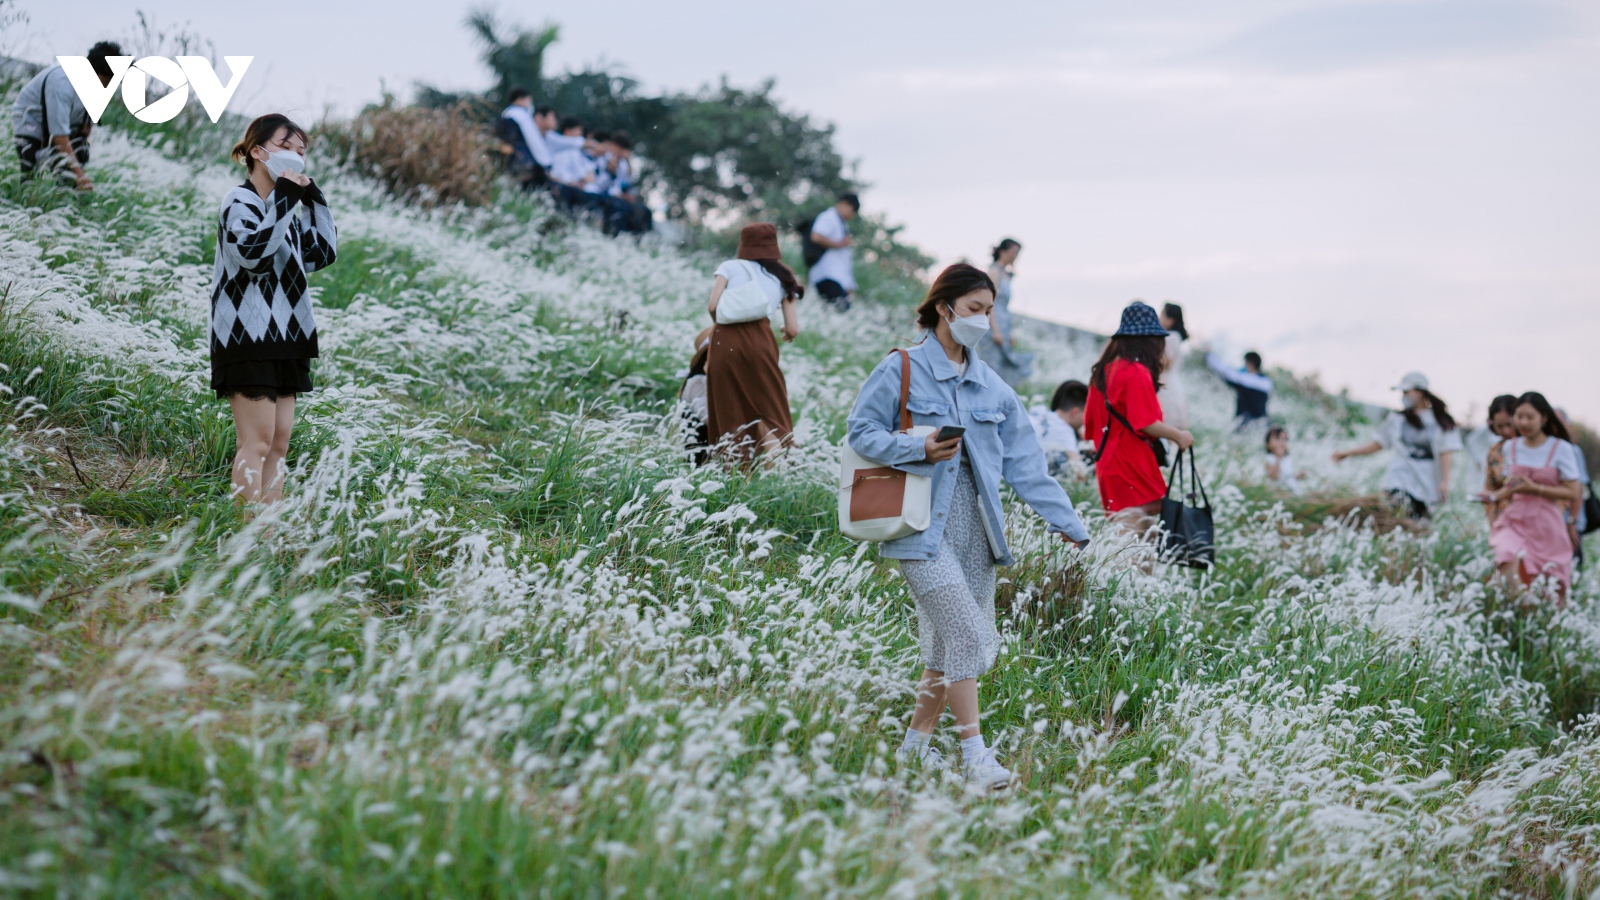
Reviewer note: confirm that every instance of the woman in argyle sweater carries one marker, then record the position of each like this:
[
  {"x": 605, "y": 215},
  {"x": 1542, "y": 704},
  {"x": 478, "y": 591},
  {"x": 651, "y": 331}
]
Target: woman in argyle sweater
[{"x": 263, "y": 335}]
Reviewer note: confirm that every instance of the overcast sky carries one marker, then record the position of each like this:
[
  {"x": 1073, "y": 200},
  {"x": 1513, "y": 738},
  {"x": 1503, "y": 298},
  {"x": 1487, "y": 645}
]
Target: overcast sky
[{"x": 1352, "y": 188}]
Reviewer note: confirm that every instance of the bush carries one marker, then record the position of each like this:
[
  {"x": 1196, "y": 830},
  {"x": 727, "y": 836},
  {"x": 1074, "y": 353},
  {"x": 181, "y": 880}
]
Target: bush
[{"x": 428, "y": 156}]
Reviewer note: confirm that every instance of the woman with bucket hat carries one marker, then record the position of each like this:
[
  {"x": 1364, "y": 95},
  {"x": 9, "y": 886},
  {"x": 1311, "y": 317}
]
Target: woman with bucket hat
[
  {"x": 747, "y": 402},
  {"x": 1124, "y": 418},
  {"x": 1423, "y": 436}
]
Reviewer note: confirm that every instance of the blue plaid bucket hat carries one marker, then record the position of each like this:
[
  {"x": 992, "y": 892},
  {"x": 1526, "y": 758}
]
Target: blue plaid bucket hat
[{"x": 1139, "y": 320}]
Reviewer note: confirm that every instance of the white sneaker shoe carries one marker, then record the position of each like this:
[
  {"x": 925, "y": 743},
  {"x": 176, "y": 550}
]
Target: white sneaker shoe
[
  {"x": 925, "y": 755},
  {"x": 986, "y": 774}
]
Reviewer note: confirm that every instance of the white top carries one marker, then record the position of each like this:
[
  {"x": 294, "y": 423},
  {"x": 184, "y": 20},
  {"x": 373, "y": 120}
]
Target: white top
[
  {"x": 738, "y": 272},
  {"x": 1565, "y": 460},
  {"x": 570, "y": 165},
  {"x": 1287, "y": 475},
  {"x": 1415, "y": 465},
  {"x": 622, "y": 182},
  {"x": 1174, "y": 405},
  {"x": 1055, "y": 435},
  {"x": 837, "y": 263},
  {"x": 523, "y": 117}
]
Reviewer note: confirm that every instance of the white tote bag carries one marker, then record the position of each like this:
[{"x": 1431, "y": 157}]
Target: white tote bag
[
  {"x": 880, "y": 503},
  {"x": 745, "y": 303}
]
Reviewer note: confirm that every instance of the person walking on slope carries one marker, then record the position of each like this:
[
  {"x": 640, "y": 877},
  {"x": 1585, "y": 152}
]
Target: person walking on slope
[
  {"x": 1251, "y": 388},
  {"x": 1424, "y": 438},
  {"x": 950, "y": 568},
  {"x": 1124, "y": 419},
  {"x": 1174, "y": 400},
  {"x": 1000, "y": 350},
  {"x": 263, "y": 334},
  {"x": 1531, "y": 538},
  {"x": 747, "y": 401},
  {"x": 833, "y": 275}
]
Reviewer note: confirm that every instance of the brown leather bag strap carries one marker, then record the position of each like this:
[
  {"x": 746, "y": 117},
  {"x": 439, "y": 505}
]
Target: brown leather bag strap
[{"x": 905, "y": 390}]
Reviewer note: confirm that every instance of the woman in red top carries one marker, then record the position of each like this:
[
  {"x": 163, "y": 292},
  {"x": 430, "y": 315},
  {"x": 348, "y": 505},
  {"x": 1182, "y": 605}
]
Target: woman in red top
[{"x": 1129, "y": 373}]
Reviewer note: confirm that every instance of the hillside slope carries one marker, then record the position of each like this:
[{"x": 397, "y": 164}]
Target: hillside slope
[{"x": 501, "y": 641}]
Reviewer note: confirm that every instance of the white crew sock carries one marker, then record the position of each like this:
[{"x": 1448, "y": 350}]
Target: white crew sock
[
  {"x": 972, "y": 750},
  {"x": 916, "y": 740}
]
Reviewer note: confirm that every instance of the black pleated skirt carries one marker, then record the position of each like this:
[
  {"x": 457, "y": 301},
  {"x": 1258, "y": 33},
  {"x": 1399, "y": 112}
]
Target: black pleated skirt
[{"x": 261, "y": 379}]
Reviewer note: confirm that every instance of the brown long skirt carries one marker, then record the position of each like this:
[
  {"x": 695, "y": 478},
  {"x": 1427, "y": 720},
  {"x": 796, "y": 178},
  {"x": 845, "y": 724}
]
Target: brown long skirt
[{"x": 745, "y": 392}]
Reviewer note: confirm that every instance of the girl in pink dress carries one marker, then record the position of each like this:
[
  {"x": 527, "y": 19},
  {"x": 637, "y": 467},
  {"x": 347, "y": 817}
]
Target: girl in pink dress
[{"x": 1529, "y": 537}]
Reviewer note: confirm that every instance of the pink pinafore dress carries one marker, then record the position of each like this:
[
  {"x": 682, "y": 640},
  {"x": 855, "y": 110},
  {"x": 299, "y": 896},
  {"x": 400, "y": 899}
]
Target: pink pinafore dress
[{"x": 1532, "y": 528}]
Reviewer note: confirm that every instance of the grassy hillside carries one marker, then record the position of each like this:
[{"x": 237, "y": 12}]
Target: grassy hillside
[{"x": 501, "y": 641}]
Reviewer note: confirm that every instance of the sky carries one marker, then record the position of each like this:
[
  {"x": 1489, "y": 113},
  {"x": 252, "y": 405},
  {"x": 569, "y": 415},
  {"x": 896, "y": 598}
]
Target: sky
[{"x": 1355, "y": 189}]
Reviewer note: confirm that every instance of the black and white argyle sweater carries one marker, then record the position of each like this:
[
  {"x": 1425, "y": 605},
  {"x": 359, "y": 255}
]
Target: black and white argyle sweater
[{"x": 259, "y": 305}]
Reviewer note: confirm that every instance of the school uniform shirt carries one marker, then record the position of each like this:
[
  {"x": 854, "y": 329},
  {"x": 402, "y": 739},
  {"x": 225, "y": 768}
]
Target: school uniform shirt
[
  {"x": 1126, "y": 468},
  {"x": 1414, "y": 467},
  {"x": 622, "y": 181},
  {"x": 523, "y": 117},
  {"x": 602, "y": 174},
  {"x": 739, "y": 271},
  {"x": 66, "y": 112},
  {"x": 837, "y": 263},
  {"x": 570, "y": 164}
]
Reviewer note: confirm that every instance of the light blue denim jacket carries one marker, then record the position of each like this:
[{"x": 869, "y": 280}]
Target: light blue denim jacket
[{"x": 999, "y": 442}]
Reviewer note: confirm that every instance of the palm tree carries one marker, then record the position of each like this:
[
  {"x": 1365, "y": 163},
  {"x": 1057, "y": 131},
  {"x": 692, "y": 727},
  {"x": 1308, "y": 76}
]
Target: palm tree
[{"x": 515, "y": 57}]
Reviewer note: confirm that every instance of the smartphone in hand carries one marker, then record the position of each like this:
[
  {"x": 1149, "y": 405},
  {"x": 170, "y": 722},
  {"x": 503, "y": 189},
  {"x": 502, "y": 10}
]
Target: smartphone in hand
[{"x": 949, "y": 433}]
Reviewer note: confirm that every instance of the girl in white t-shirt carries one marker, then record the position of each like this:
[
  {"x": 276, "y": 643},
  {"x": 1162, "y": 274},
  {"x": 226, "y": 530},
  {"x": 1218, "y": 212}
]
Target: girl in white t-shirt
[
  {"x": 1530, "y": 538},
  {"x": 1279, "y": 465}
]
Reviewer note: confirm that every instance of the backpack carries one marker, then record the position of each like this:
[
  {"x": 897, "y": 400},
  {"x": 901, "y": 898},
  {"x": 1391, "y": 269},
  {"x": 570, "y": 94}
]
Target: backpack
[{"x": 810, "y": 250}]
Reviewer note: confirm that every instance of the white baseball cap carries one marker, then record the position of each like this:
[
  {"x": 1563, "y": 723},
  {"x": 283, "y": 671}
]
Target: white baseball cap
[{"x": 1412, "y": 381}]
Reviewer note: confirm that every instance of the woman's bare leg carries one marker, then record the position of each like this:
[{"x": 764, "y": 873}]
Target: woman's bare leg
[
  {"x": 963, "y": 697},
  {"x": 276, "y": 468},
  {"x": 930, "y": 701},
  {"x": 254, "y": 422}
]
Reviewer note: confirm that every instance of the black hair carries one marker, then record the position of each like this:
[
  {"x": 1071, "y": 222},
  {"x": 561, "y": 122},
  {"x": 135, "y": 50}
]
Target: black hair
[
  {"x": 1441, "y": 413},
  {"x": 852, "y": 199},
  {"x": 1273, "y": 432},
  {"x": 544, "y": 109},
  {"x": 1004, "y": 245},
  {"x": 260, "y": 131},
  {"x": 1174, "y": 314},
  {"x": 1505, "y": 403},
  {"x": 97, "y": 57},
  {"x": 622, "y": 139},
  {"x": 1553, "y": 425},
  {"x": 517, "y": 92},
  {"x": 1147, "y": 350},
  {"x": 600, "y": 137},
  {"x": 792, "y": 288},
  {"x": 955, "y": 282},
  {"x": 1253, "y": 360},
  {"x": 569, "y": 122},
  {"x": 1070, "y": 395}
]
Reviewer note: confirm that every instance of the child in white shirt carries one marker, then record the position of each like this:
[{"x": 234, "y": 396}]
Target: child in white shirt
[{"x": 1279, "y": 464}]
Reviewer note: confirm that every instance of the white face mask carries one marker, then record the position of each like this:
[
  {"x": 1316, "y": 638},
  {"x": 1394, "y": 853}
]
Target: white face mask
[
  {"x": 968, "y": 330},
  {"x": 281, "y": 161}
]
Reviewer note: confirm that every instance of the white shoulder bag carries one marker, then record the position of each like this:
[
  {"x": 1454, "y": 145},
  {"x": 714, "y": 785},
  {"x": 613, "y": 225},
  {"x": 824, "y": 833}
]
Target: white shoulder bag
[
  {"x": 881, "y": 503},
  {"x": 745, "y": 303}
]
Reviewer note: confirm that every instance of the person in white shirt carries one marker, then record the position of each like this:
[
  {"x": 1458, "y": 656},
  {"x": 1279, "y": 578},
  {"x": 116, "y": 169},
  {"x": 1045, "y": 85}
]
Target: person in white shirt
[
  {"x": 569, "y": 165},
  {"x": 531, "y": 156},
  {"x": 50, "y": 125},
  {"x": 1424, "y": 438},
  {"x": 1174, "y": 402},
  {"x": 834, "y": 274},
  {"x": 1279, "y": 465},
  {"x": 1059, "y": 427},
  {"x": 1532, "y": 539}
]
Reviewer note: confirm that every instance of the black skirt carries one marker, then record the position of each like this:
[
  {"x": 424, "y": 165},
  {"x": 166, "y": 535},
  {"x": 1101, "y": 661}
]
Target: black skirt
[{"x": 261, "y": 379}]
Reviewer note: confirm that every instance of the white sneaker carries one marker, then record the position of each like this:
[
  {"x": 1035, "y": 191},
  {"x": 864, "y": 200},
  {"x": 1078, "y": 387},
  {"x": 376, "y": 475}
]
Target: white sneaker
[
  {"x": 925, "y": 755},
  {"x": 985, "y": 774}
]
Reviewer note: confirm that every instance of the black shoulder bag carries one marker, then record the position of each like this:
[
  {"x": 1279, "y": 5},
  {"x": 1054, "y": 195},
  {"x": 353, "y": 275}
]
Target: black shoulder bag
[
  {"x": 1156, "y": 446},
  {"x": 1591, "y": 511},
  {"x": 1188, "y": 534}
]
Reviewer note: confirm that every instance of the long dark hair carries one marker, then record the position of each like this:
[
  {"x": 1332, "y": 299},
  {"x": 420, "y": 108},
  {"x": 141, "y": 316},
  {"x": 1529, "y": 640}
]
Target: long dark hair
[
  {"x": 1145, "y": 349},
  {"x": 1174, "y": 313},
  {"x": 260, "y": 131},
  {"x": 1553, "y": 425},
  {"x": 953, "y": 283},
  {"x": 792, "y": 288},
  {"x": 1441, "y": 413},
  {"x": 1004, "y": 245},
  {"x": 1505, "y": 403}
]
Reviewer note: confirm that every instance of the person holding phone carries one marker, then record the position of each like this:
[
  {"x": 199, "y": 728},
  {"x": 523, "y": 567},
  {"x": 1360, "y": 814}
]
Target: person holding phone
[
  {"x": 263, "y": 335},
  {"x": 1530, "y": 537},
  {"x": 985, "y": 438}
]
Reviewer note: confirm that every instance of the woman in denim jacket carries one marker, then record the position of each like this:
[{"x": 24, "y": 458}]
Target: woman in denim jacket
[{"x": 949, "y": 568}]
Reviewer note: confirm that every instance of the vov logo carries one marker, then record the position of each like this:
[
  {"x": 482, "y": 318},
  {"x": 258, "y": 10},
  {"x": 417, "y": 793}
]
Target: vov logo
[{"x": 133, "y": 78}]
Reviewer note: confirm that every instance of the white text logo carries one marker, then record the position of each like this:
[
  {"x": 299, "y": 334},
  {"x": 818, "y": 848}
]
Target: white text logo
[{"x": 179, "y": 76}]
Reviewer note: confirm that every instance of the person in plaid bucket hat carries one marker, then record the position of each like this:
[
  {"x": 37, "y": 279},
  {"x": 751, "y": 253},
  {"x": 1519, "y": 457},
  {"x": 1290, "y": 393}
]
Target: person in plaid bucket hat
[{"x": 1124, "y": 418}]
